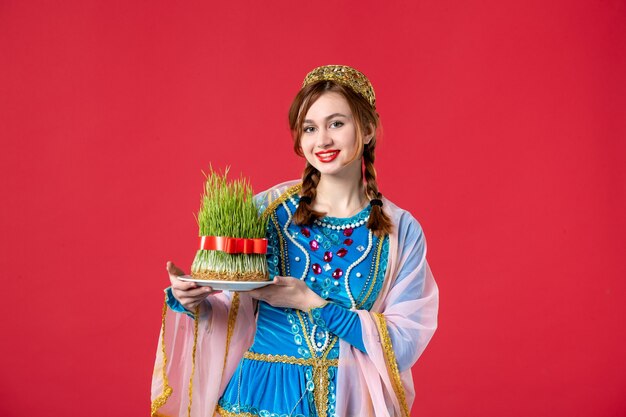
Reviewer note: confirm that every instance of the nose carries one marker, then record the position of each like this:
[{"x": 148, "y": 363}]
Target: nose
[{"x": 324, "y": 139}]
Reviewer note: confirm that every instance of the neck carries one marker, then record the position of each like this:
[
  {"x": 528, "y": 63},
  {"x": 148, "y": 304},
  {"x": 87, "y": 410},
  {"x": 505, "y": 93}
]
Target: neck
[{"x": 340, "y": 195}]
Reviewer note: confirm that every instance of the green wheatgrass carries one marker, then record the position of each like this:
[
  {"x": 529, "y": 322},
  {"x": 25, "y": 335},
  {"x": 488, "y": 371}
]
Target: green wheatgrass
[{"x": 227, "y": 209}]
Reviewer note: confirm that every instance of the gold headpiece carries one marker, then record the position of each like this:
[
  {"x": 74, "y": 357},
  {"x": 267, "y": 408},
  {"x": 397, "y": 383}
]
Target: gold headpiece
[{"x": 345, "y": 75}]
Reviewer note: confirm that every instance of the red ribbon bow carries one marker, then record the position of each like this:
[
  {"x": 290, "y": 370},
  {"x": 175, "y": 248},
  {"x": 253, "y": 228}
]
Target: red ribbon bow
[{"x": 234, "y": 245}]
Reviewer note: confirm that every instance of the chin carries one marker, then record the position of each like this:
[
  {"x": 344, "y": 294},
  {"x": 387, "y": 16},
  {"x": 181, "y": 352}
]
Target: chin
[{"x": 336, "y": 168}]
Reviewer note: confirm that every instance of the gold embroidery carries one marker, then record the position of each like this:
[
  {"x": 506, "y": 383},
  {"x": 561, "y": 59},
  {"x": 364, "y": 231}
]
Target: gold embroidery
[
  {"x": 271, "y": 211},
  {"x": 160, "y": 401},
  {"x": 289, "y": 359},
  {"x": 232, "y": 317},
  {"x": 320, "y": 372},
  {"x": 377, "y": 264},
  {"x": 320, "y": 389},
  {"x": 320, "y": 375},
  {"x": 225, "y": 413},
  {"x": 320, "y": 364},
  {"x": 196, "y": 318},
  {"x": 283, "y": 197},
  {"x": 306, "y": 338},
  {"x": 392, "y": 364}
]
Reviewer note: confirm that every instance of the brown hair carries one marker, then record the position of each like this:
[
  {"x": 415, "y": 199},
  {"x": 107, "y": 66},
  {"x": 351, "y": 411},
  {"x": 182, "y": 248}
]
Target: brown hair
[{"x": 365, "y": 118}]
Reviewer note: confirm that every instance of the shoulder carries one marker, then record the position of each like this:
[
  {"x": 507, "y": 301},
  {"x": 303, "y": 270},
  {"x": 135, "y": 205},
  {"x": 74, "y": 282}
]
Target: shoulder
[
  {"x": 273, "y": 196},
  {"x": 407, "y": 229},
  {"x": 403, "y": 219}
]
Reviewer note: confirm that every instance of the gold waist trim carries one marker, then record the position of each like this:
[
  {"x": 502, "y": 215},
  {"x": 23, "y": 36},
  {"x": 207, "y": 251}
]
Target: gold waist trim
[
  {"x": 224, "y": 413},
  {"x": 290, "y": 359}
]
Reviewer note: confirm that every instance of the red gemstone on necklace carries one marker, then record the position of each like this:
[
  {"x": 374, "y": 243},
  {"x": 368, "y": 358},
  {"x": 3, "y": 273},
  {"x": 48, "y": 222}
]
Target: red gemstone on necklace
[
  {"x": 342, "y": 252},
  {"x": 348, "y": 241},
  {"x": 314, "y": 244},
  {"x": 328, "y": 256},
  {"x": 305, "y": 232},
  {"x": 337, "y": 273},
  {"x": 348, "y": 231},
  {"x": 316, "y": 268}
]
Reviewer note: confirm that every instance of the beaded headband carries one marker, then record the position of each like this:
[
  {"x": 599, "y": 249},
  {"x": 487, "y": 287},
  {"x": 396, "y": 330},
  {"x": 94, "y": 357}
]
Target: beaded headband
[{"x": 344, "y": 75}]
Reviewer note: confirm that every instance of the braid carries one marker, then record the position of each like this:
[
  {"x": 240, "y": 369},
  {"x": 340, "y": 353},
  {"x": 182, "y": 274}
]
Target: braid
[
  {"x": 304, "y": 213},
  {"x": 379, "y": 222}
]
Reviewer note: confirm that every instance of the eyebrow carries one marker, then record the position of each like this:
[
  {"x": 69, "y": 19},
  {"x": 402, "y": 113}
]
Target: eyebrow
[{"x": 327, "y": 117}]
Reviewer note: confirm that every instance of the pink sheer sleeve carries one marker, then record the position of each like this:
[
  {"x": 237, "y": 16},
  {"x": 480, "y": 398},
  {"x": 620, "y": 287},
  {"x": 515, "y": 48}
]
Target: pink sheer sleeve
[{"x": 196, "y": 358}]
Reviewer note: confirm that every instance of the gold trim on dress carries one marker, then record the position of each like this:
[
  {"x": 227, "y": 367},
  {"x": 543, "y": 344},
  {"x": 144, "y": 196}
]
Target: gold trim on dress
[
  {"x": 320, "y": 372},
  {"x": 232, "y": 317},
  {"x": 196, "y": 318},
  {"x": 282, "y": 198},
  {"x": 226, "y": 413},
  {"x": 375, "y": 277},
  {"x": 392, "y": 364},
  {"x": 320, "y": 364},
  {"x": 160, "y": 401},
  {"x": 290, "y": 360}
]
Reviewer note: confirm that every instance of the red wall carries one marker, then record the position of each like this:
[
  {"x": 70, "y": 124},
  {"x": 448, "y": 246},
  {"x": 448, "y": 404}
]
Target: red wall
[{"x": 504, "y": 133}]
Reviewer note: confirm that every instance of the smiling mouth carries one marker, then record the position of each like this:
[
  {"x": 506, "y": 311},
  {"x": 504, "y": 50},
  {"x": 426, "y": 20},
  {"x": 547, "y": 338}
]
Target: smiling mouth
[{"x": 327, "y": 156}]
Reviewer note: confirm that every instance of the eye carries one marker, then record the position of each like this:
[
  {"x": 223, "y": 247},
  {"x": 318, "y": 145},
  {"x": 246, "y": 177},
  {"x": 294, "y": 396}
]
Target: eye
[
  {"x": 336, "y": 124},
  {"x": 308, "y": 129}
]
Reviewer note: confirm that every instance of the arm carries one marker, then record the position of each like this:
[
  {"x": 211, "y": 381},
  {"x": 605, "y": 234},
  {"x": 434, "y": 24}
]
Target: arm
[
  {"x": 340, "y": 321},
  {"x": 395, "y": 332},
  {"x": 411, "y": 305},
  {"x": 404, "y": 319}
]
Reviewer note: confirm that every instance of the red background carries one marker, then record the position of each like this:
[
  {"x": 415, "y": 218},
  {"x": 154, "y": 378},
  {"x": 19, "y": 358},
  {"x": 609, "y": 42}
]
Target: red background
[{"x": 504, "y": 134}]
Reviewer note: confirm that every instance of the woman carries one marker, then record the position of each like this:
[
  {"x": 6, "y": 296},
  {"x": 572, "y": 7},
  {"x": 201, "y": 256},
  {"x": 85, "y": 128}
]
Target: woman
[{"x": 353, "y": 303}]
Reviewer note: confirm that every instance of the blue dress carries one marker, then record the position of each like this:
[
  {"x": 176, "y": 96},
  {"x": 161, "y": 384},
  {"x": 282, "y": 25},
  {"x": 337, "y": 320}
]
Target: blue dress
[{"x": 291, "y": 367}]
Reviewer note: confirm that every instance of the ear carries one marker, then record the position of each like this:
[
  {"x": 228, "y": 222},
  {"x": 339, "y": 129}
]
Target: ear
[{"x": 369, "y": 135}]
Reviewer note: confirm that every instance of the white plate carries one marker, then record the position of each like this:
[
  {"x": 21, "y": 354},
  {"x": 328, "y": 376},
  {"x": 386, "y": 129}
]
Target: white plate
[{"x": 226, "y": 285}]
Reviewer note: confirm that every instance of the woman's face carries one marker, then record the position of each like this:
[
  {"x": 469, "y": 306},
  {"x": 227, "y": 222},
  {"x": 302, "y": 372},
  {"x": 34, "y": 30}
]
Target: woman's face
[{"x": 329, "y": 136}]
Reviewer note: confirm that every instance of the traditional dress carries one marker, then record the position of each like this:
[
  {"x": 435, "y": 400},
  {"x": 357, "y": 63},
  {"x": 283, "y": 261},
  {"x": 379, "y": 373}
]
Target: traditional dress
[{"x": 351, "y": 357}]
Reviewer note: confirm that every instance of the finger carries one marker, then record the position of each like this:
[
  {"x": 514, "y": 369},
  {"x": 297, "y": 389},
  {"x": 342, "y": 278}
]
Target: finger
[
  {"x": 186, "y": 298},
  {"x": 197, "y": 292},
  {"x": 282, "y": 281},
  {"x": 187, "y": 302},
  {"x": 191, "y": 305},
  {"x": 258, "y": 294},
  {"x": 173, "y": 269},
  {"x": 182, "y": 285}
]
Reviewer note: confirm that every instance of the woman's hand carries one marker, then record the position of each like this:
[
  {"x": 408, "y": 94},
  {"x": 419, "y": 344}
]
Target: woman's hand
[
  {"x": 288, "y": 292},
  {"x": 189, "y": 294}
]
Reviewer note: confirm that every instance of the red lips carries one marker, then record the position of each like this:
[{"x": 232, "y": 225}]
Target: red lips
[{"x": 327, "y": 155}]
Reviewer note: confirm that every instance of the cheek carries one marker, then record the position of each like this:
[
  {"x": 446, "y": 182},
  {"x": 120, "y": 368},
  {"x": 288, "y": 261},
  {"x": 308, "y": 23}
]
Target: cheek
[{"x": 306, "y": 145}]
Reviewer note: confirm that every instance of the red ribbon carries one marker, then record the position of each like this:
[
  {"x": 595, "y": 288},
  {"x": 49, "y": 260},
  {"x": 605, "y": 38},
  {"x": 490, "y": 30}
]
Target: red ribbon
[{"x": 234, "y": 244}]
